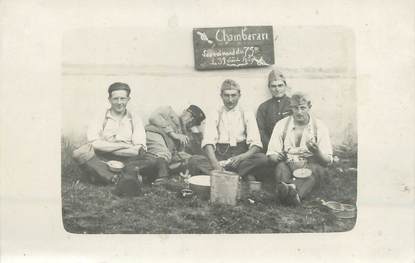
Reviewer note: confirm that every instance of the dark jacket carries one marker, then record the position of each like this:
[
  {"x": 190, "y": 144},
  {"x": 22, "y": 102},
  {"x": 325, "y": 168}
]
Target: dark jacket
[{"x": 268, "y": 114}]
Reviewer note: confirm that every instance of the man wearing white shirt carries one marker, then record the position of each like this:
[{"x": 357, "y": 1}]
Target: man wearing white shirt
[
  {"x": 299, "y": 141},
  {"x": 231, "y": 134},
  {"x": 116, "y": 134}
]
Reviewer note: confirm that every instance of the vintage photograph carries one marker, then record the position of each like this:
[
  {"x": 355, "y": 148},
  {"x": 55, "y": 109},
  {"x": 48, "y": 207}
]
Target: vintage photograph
[{"x": 209, "y": 130}]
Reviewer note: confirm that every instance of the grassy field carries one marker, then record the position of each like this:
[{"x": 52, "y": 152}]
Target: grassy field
[{"x": 88, "y": 208}]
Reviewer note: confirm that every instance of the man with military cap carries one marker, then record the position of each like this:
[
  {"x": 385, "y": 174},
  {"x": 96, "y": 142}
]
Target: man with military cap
[
  {"x": 274, "y": 109},
  {"x": 231, "y": 135}
]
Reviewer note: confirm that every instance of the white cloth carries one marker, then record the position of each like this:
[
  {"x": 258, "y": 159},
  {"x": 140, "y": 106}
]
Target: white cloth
[
  {"x": 231, "y": 126},
  {"x": 276, "y": 144},
  {"x": 117, "y": 130}
]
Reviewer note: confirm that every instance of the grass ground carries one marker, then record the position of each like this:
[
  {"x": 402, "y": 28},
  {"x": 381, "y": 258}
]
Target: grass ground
[{"x": 88, "y": 208}]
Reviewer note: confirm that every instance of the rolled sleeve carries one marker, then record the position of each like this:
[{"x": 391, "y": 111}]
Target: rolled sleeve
[
  {"x": 139, "y": 136},
  {"x": 252, "y": 132},
  {"x": 210, "y": 135},
  {"x": 275, "y": 145}
]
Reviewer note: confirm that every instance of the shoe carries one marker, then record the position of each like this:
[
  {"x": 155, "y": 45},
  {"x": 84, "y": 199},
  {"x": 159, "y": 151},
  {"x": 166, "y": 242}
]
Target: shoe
[
  {"x": 127, "y": 186},
  {"x": 282, "y": 192},
  {"x": 293, "y": 198}
]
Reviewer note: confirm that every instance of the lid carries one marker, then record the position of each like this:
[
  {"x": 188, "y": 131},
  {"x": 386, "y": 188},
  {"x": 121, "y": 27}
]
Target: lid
[
  {"x": 224, "y": 173},
  {"x": 203, "y": 180}
]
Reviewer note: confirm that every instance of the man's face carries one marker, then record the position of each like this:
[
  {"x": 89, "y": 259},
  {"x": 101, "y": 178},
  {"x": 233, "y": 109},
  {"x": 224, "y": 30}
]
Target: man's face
[
  {"x": 300, "y": 112},
  {"x": 230, "y": 98},
  {"x": 187, "y": 119},
  {"x": 119, "y": 101},
  {"x": 277, "y": 88}
]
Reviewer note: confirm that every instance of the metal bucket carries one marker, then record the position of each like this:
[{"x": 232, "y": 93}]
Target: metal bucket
[
  {"x": 224, "y": 187},
  {"x": 200, "y": 185}
]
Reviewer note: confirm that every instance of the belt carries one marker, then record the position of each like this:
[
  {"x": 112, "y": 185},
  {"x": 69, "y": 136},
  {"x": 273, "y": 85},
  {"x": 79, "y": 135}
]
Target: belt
[{"x": 227, "y": 146}]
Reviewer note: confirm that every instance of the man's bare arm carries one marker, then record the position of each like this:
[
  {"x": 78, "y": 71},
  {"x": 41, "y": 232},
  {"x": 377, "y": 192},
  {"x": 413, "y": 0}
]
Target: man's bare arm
[
  {"x": 235, "y": 161},
  {"x": 210, "y": 152},
  {"x": 105, "y": 146},
  {"x": 129, "y": 152}
]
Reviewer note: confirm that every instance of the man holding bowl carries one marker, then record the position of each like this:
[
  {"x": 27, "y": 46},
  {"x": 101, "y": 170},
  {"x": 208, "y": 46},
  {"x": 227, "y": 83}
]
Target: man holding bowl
[
  {"x": 299, "y": 145},
  {"x": 115, "y": 135}
]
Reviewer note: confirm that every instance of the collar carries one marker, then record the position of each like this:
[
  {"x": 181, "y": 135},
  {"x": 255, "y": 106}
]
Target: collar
[
  {"x": 280, "y": 98},
  {"x": 235, "y": 109},
  {"x": 108, "y": 115}
]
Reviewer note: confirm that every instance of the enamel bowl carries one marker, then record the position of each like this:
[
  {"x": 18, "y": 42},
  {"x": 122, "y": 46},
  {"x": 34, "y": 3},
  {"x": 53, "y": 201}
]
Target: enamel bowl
[{"x": 115, "y": 166}]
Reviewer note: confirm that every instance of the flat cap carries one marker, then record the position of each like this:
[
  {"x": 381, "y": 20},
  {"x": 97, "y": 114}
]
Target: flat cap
[
  {"x": 119, "y": 86},
  {"x": 197, "y": 113}
]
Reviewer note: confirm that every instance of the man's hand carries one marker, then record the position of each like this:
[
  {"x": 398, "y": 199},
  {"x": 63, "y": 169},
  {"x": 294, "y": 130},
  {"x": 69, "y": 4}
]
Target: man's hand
[
  {"x": 106, "y": 146},
  {"x": 216, "y": 166},
  {"x": 183, "y": 139},
  {"x": 275, "y": 158},
  {"x": 210, "y": 153},
  {"x": 141, "y": 151},
  {"x": 312, "y": 146},
  {"x": 236, "y": 160}
]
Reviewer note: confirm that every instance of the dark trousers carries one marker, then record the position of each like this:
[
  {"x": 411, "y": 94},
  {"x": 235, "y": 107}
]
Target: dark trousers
[
  {"x": 148, "y": 165},
  {"x": 199, "y": 164},
  {"x": 304, "y": 186}
]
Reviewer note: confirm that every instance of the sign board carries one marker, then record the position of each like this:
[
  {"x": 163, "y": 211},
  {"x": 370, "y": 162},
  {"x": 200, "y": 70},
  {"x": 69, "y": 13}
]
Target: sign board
[{"x": 233, "y": 47}]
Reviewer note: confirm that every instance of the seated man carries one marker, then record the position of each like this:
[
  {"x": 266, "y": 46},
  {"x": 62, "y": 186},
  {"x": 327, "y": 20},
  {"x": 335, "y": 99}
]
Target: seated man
[
  {"x": 299, "y": 141},
  {"x": 170, "y": 139},
  {"x": 231, "y": 134},
  {"x": 114, "y": 135},
  {"x": 274, "y": 109}
]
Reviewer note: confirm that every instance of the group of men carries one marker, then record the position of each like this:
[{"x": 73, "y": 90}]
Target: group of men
[{"x": 233, "y": 139}]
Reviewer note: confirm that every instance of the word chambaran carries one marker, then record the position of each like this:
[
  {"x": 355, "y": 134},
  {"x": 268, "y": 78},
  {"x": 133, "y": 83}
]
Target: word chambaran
[{"x": 222, "y": 35}]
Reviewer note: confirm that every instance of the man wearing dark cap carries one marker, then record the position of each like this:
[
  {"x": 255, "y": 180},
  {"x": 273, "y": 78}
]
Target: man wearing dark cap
[
  {"x": 172, "y": 138},
  {"x": 115, "y": 134},
  {"x": 274, "y": 109}
]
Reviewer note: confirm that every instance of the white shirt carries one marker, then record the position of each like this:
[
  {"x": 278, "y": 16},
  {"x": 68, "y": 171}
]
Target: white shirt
[
  {"x": 129, "y": 129},
  {"x": 276, "y": 144},
  {"x": 231, "y": 126}
]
